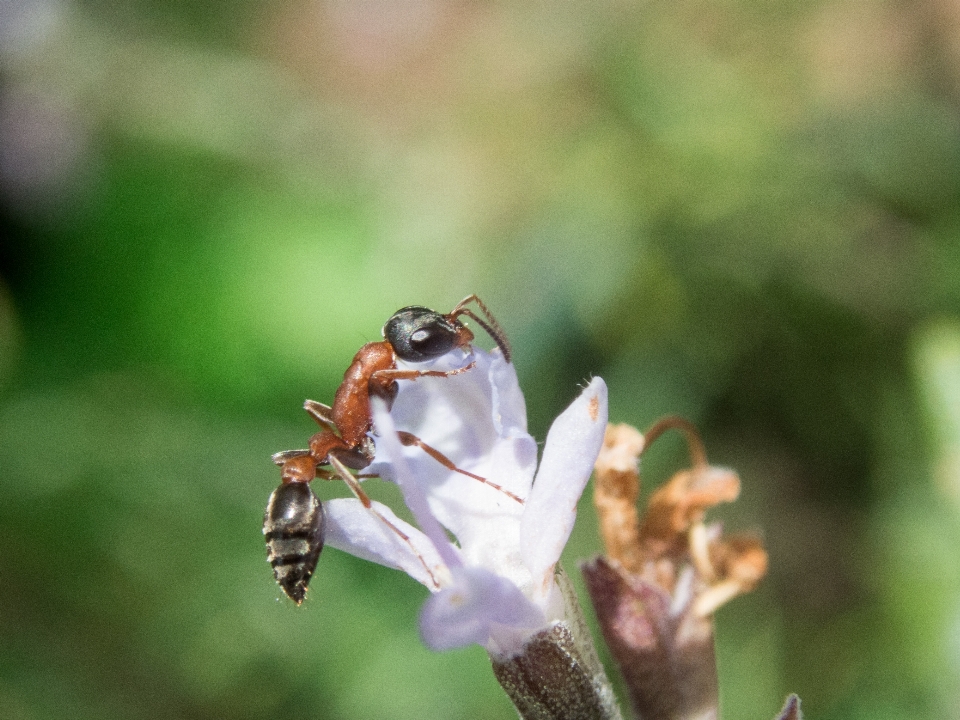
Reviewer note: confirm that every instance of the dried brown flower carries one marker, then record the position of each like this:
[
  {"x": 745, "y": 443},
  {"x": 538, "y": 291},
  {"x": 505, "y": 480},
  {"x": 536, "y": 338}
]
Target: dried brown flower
[{"x": 666, "y": 573}]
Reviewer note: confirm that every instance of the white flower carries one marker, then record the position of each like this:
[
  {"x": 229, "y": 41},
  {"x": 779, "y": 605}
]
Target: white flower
[{"x": 495, "y": 586}]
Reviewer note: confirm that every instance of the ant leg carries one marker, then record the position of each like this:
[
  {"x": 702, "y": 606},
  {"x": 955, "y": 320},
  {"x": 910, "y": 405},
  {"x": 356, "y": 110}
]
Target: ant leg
[
  {"x": 397, "y": 374},
  {"x": 321, "y": 414},
  {"x": 411, "y": 440},
  {"x": 344, "y": 474},
  {"x": 330, "y": 475},
  {"x": 281, "y": 457},
  {"x": 493, "y": 329}
]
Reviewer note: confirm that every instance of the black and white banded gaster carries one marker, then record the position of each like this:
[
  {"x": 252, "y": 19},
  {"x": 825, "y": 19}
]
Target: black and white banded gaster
[{"x": 294, "y": 527}]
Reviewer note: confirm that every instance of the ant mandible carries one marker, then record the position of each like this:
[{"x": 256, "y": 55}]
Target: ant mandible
[{"x": 294, "y": 520}]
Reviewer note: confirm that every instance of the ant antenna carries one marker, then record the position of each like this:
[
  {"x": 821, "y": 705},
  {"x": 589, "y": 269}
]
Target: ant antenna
[{"x": 493, "y": 328}]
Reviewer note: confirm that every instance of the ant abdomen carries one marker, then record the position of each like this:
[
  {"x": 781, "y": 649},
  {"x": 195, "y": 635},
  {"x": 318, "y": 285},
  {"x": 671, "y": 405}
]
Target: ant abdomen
[{"x": 294, "y": 530}]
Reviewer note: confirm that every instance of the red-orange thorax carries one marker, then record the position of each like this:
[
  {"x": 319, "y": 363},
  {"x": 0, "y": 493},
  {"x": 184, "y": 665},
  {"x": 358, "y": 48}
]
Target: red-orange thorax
[{"x": 351, "y": 404}]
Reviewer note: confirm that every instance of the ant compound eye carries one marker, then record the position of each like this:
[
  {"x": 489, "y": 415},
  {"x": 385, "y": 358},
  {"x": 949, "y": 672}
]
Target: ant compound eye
[{"x": 417, "y": 333}]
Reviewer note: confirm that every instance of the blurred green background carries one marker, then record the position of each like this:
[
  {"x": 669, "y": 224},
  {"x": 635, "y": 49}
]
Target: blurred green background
[{"x": 744, "y": 212}]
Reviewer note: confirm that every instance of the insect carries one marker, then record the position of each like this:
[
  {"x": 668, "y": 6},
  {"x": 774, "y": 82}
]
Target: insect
[{"x": 294, "y": 520}]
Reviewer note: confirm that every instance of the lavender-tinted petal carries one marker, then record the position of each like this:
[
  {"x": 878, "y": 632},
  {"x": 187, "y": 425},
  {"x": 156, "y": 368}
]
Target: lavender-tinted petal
[
  {"x": 477, "y": 602},
  {"x": 413, "y": 494},
  {"x": 354, "y": 529},
  {"x": 572, "y": 446},
  {"x": 477, "y": 420}
]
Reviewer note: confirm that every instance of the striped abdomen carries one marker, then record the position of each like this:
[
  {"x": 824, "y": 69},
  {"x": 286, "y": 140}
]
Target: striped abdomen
[{"x": 294, "y": 528}]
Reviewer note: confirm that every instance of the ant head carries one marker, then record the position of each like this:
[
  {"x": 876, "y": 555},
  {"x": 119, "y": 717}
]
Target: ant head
[{"x": 417, "y": 333}]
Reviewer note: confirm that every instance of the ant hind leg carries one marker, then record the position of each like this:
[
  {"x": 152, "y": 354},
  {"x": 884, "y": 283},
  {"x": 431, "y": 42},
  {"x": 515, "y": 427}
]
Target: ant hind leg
[
  {"x": 344, "y": 474},
  {"x": 321, "y": 414}
]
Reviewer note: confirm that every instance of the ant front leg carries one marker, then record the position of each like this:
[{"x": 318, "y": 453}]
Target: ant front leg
[
  {"x": 344, "y": 474},
  {"x": 411, "y": 440},
  {"x": 398, "y": 374}
]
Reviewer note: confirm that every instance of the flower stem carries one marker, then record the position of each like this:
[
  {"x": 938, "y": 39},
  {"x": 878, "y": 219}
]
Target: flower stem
[
  {"x": 549, "y": 681},
  {"x": 558, "y": 675}
]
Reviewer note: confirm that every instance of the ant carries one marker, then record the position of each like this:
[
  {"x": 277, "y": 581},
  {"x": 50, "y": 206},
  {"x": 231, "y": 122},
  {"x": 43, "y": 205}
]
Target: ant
[{"x": 294, "y": 520}]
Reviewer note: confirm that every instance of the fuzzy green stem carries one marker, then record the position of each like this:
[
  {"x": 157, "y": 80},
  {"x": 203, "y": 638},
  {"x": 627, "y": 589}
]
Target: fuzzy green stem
[{"x": 557, "y": 675}]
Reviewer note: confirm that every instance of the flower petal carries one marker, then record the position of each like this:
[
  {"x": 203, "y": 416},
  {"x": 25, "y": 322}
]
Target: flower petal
[
  {"x": 477, "y": 604},
  {"x": 572, "y": 446},
  {"x": 477, "y": 419},
  {"x": 413, "y": 495},
  {"x": 354, "y": 529},
  {"x": 509, "y": 405}
]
